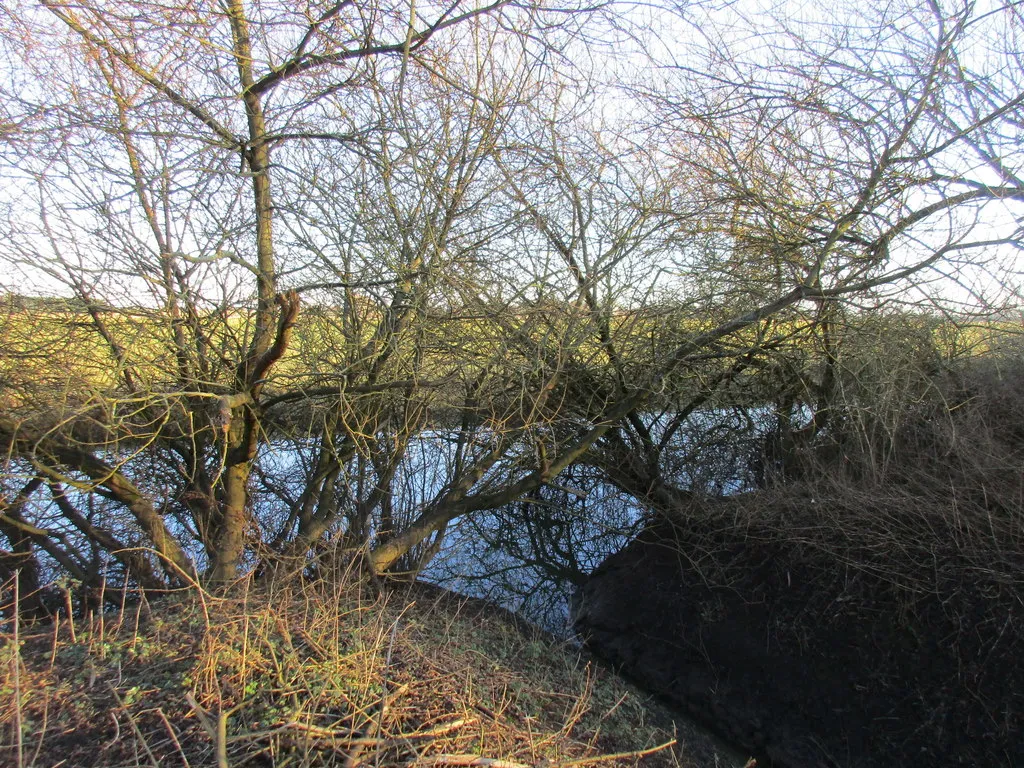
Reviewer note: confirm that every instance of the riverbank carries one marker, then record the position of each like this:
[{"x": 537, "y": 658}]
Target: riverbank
[{"x": 318, "y": 674}]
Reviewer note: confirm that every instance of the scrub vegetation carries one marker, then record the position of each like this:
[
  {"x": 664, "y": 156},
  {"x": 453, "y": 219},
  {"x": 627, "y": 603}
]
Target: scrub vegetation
[
  {"x": 339, "y": 228},
  {"x": 299, "y": 287},
  {"x": 344, "y": 673}
]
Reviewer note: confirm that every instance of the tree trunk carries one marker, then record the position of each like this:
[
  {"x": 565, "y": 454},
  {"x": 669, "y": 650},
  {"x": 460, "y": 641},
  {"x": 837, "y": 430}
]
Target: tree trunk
[{"x": 243, "y": 426}]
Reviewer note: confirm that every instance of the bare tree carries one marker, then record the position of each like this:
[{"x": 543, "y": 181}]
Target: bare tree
[
  {"x": 346, "y": 274},
  {"x": 165, "y": 133},
  {"x": 823, "y": 168}
]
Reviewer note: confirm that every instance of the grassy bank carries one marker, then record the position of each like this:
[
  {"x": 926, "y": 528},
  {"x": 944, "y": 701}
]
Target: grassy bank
[{"x": 346, "y": 674}]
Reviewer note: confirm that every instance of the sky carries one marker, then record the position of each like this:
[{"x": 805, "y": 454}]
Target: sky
[{"x": 665, "y": 56}]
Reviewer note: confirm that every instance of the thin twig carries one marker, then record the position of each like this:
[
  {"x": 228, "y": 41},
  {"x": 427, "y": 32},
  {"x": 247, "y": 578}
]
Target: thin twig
[
  {"x": 471, "y": 761},
  {"x": 476, "y": 761},
  {"x": 16, "y": 668},
  {"x": 131, "y": 720},
  {"x": 347, "y": 738},
  {"x": 174, "y": 736},
  {"x": 616, "y": 756}
]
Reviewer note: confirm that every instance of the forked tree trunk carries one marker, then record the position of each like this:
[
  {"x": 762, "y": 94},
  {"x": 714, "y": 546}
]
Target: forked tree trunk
[{"x": 243, "y": 426}]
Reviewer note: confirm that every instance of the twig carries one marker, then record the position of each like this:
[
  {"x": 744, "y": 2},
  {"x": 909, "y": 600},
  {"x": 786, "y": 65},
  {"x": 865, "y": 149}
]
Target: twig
[
  {"x": 16, "y": 668},
  {"x": 440, "y": 730},
  {"x": 347, "y": 738},
  {"x": 476, "y": 761},
  {"x": 222, "y": 739},
  {"x": 217, "y": 732},
  {"x": 174, "y": 736},
  {"x": 353, "y": 759},
  {"x": 71, "y": 616},
  {"x": 131, "y": 720},
  {"x": 204, "y": 720},
  {"x": 616, "y": 756}
]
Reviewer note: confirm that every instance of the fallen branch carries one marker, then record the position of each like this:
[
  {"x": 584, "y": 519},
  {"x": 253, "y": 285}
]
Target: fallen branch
[
  {"x": 476, "y": 761},
  {"x": 616, "y": 756},
  {"x": 470, "y": 761}
]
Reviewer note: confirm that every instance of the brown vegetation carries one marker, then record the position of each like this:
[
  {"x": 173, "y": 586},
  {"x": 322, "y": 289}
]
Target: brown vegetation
[
  {"x": 327, "y": 228},
  {"x": 332, "y": 673},
  {"x": 865, "y": 608}
]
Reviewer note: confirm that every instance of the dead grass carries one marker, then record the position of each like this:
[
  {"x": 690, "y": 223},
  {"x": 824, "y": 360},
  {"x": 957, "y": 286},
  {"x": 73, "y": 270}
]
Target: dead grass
[
  {"x": 341, "y": 674},
  {"x": 899, "y": 552}
]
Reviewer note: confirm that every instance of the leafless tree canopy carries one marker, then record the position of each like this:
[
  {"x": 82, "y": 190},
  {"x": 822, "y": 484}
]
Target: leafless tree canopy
[{"x": 286, "y": 281}]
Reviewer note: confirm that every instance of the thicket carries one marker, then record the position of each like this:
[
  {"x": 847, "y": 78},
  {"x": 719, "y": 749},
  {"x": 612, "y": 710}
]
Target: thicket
[
  {"x": 860, "y": 597},
  {"x": 283, "y": 243}
]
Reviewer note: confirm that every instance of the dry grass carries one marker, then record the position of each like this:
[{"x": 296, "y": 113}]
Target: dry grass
[
  {"x": 315, "y": 674},
  {"x": 899, "y": 552}
]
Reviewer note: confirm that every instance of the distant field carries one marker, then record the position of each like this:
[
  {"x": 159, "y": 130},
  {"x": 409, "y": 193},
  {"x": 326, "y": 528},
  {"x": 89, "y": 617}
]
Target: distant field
[{"x": 52, "y": 351}]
